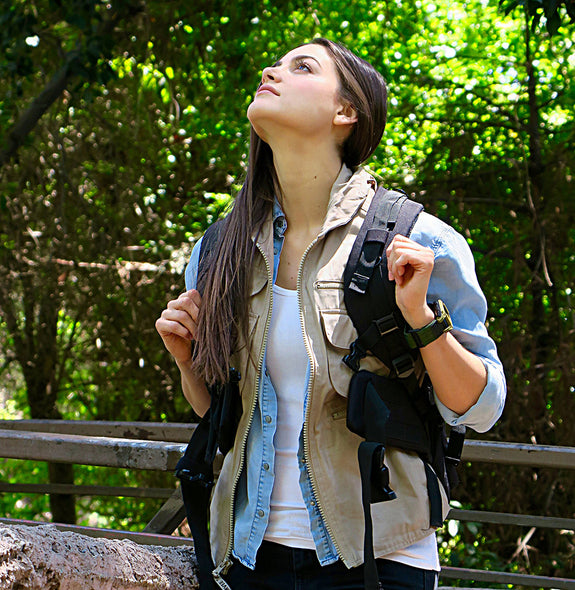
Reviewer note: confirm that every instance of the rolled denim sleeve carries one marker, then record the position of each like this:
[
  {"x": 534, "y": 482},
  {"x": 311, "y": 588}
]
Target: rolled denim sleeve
[
  {"x": 191, "y": 274},
  {"x": 454, "y": 281}
]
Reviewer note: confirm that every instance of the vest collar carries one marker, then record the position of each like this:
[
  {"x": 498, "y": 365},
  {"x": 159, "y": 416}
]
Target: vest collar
[{"x": 348, "y": 193}]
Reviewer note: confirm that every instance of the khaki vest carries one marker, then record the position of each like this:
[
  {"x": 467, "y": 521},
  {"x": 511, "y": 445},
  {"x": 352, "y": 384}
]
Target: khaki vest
[{"x": 330, "y": 448}]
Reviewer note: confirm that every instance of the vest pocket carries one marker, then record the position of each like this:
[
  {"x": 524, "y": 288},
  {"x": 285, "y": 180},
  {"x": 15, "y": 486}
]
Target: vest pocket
[
  {"x": 339, "y": 334},
  {"x": 243, "y": 356},
  {"x": 253, "y": 319}
]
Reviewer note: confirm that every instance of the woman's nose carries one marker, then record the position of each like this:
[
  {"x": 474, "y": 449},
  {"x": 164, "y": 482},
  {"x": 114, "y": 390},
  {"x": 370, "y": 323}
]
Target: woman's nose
[{"x": 269, "y": 73}]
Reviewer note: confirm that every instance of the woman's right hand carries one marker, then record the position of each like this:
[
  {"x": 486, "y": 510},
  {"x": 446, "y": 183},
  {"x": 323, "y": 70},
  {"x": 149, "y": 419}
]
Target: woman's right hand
[{"x": 178, "y": 325}]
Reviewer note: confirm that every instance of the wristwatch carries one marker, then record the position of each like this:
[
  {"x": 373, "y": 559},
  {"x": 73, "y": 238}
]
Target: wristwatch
[{"x": 426, "y": 335}]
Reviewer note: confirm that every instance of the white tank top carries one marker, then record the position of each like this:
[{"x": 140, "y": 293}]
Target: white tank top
[{"x": 287, "y": 362}]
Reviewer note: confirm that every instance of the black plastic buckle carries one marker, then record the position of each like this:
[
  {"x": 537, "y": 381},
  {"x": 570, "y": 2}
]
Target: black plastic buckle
[
  {"x": 403, "y": 366},
  {"x": 386, "y": 324},
  {"x": 455, "y": 461},
  {"x": 200, "y": 478},
  {"x": 380, "y": 477},
  {"x": 353, "y": 358},
  {"x": 455, "y": 445},
  {"x": 359, "y": 283}
]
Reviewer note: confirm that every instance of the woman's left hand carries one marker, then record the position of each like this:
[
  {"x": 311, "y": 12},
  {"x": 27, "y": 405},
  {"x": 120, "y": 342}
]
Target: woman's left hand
[{"x": 409, "y": 264}]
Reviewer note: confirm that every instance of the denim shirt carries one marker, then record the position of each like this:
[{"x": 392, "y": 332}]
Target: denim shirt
[{"x": 454, "y": 281}]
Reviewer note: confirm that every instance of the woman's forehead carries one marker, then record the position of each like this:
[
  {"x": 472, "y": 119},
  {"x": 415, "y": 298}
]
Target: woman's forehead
[{"x": 311, "y": 49}]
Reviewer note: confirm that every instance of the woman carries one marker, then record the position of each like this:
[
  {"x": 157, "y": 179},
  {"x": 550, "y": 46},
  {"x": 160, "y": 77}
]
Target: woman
[{"x": 286, "y": 511}]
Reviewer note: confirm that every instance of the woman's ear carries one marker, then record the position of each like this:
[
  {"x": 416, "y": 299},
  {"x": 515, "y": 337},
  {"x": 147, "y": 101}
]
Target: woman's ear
[{"x": 345, "y": 115}]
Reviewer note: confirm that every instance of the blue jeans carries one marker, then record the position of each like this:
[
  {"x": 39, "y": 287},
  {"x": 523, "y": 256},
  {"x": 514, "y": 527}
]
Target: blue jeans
[{"x": 284, "y": 568}]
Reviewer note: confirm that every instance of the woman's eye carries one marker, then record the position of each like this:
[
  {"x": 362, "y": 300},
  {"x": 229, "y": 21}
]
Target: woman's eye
[{"x": 302, "y": 65}]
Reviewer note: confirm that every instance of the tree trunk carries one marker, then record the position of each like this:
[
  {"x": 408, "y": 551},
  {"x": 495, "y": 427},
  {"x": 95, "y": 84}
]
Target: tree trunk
[
  {"x": 62, "y": 506},
  {"x": 40, "y": 364},
  {"x": 35, "y": 111},
  {"x": 542, "y": 328}
]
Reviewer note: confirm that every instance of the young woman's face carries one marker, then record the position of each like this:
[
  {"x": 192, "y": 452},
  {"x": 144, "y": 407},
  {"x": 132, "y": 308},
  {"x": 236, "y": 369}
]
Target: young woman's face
[{"x": 299, "y": 93}]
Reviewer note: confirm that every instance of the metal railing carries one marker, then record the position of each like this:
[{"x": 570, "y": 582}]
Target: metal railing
[{"x": 158, "y": 446}]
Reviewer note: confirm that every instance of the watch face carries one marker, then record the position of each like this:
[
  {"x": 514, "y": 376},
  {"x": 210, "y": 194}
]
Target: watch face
[{"x": 439, "y": 309}]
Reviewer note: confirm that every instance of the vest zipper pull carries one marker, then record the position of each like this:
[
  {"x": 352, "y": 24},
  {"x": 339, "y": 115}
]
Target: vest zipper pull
[{"x": 220, "y": 571}]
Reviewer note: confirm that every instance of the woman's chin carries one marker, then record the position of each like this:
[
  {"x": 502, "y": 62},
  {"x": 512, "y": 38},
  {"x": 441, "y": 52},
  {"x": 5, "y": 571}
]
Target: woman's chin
[{"x": 257, "y": 126}]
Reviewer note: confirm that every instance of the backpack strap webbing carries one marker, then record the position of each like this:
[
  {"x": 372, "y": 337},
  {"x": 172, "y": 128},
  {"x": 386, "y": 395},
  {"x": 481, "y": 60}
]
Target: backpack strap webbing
[
  {"x": 381, "y": 224},
  {"x": 196, "y": 477},
  {"x": 370, "y": 301},
  {"x": 390, "y": 213}
]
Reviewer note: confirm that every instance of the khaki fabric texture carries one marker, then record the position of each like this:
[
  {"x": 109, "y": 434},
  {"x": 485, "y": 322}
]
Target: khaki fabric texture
[{"x": 331, "y": 448}]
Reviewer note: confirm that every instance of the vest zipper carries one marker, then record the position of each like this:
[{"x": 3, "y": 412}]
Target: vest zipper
[
  {"x": 226, "y": 563},
  {"x": 328, "y": 284},
  {"x": 306, "y": 451},
  {"x": 308, "y": 398}
]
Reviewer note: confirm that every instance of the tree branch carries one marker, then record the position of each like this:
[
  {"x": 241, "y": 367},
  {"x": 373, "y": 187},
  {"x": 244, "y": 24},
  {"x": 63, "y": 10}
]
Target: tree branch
[
  {"x": 36, "y": 110},
  {"x": 54, "y": 89}
]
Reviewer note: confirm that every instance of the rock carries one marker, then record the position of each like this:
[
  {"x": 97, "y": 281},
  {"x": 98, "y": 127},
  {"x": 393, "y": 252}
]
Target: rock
[{"x": 43, "y": 558}]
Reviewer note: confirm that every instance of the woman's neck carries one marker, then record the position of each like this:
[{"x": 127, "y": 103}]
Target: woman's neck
[{"x": 305, "y": 182}]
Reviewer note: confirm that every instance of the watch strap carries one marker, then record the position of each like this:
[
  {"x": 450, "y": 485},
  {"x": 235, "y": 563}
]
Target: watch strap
[{"x": 421, "y": 337}]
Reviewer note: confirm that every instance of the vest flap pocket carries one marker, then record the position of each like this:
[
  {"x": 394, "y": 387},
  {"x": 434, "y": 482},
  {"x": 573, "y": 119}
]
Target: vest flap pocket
[
  {"x": 258, "y": 281},
  {"x": 338, "y": 328},
  {"x": 253, "y": 319},
  {"x": 339, "y": 334}
]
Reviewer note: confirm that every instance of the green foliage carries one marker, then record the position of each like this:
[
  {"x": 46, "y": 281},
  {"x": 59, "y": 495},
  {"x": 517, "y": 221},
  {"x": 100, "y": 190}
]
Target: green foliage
[
  {"x": 32, "y": 507},
  {"x": 127, "y": 513},
  {"x": 146, "y": 145},
  {"x": 464, "y": 545},
  {"x": 553, "y": 10}
]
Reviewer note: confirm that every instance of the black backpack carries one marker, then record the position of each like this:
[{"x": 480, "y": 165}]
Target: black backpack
[{"x": 393, "y": 411}]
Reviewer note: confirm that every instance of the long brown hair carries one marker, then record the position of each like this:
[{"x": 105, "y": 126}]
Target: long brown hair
[{"x": 226, "y": 283}]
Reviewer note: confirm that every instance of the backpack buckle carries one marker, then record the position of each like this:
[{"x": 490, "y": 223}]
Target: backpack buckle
[
  {"x": 353, "y": 358},
  {"x": 190, "y": 476},
  {"x": 386, "y": 324},
  {"x": 455, "y": 461},
  {"x": 380, "y": 478},
  {"x": 455, "y": 445},
  {"x": 403, "y": 366}
]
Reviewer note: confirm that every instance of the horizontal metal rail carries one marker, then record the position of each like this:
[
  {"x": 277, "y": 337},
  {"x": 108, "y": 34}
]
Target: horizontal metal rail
[
  {"x": 90, "y": 450},
  {"x": 506, "y": 578},
  {"x": 83, "y": 490},
  {"x": 507, "y": 453},
  {"x": 549, "y": 522},
  {"x": 162, "y": 431}
]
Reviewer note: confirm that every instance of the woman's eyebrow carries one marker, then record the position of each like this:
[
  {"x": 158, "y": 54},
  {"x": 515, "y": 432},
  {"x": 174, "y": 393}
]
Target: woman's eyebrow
[{"x": 296, "y": 58}]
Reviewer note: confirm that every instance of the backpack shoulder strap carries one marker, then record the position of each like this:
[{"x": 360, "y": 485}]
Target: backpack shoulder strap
[
  {"x": 390, "y": 213},
  {"x": 370, "y": 300},
  {"x": 369, "y": 295}
]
